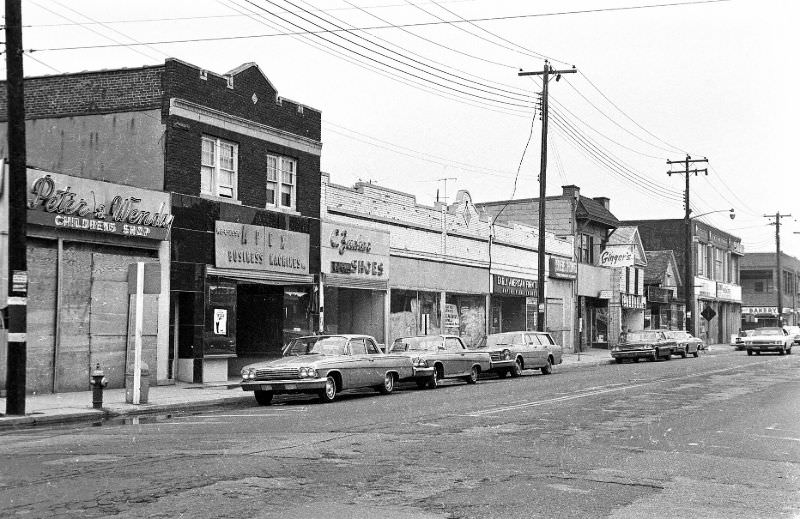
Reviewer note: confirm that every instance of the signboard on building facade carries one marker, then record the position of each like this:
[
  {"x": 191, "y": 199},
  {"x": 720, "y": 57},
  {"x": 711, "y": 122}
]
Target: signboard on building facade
[
  {"x": 617, "y": 257},
  {"x": 705, "y": 287},
  {"x": 563, "y": 268},
  {"x": 729, "y": 291},
  {"x": 659, "y": 294},
  {"x": 632, "y": 301},
  {"x": 70, "y": 203},
  {"x": 514, "y": 286},
  {"x": 253, "y": 247},
  {"x": 760, "y": 310},
  {"x": 355, "y": 251}
]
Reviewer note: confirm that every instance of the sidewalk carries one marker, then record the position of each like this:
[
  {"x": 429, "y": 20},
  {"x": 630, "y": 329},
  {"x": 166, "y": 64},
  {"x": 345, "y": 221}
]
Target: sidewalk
[{"x": 77, "y": 406}]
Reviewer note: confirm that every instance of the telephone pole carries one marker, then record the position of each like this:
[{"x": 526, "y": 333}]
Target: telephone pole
[
  {"x": 688, "y": 283},
  {"x": 779, "y": 273},
  {"x": 16, "y": 311},
  {"x": 546, "y": 73}
]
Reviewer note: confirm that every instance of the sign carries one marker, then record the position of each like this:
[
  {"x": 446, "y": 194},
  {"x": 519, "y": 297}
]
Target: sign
[
  {"x": 80, "y": 204},
  {"x": 451, "y": 319},
  {"x": 659, "y": 295},
  {"x": 729, "y": 291},
  {"x": 355, "y": 251},
  {"x": 631, "y": 301},
  {"x": 616, "y": 257},
  {"x": 705, "y": 287},
  {"x": 708, "y": 313},
  {"x": 19, "y": 281},
  {"x": 605, "y": 294},
  {"x": 563, "y": 268},
  {"x": 220, "y": 321},
  {"x": 760, "y": 310},
  {"x": 513, "y": 286},
  {"x": 253, "y": 247}
]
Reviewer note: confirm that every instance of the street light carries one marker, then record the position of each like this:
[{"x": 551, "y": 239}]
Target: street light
[{"x": 688, "y": 273}]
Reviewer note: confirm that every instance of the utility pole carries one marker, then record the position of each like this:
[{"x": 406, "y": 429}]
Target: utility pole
[
  {"x": 546, "y": 73},
  {"x": 779, "y": 273},
  {"x": 16, "y": 311},
  {"x": 688, "y": 282}
]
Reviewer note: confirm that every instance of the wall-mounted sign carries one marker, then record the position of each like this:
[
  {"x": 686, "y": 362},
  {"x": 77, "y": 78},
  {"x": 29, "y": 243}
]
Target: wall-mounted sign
[
  {"x": 631, "y": 301},
  {"x": 563, "y": 268},
  {"x": 79, "y": 204},
  {"x": 605, "y": 294},
  {"x": 220, "y": 321},
  {"x": 705, "y": 287},
  {"x": 252, "y": 247},
  {"x": 729, "y": 291},
  {"x": 760, "y": 310},
  {"x": 616, "y": 257},
  {"x": 659, "y": 294},
  {"x": 355, "y": 251},
  {"x": 513, "y": 286}
]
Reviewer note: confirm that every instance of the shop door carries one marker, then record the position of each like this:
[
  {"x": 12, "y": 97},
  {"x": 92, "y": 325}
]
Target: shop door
[{"x": 554, "y": 320}]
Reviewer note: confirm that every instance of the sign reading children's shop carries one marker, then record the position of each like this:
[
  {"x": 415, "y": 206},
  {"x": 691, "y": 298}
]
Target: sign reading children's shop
[
  {"x": 79, "y": 204},
  {"x": 253, "y": 247}
]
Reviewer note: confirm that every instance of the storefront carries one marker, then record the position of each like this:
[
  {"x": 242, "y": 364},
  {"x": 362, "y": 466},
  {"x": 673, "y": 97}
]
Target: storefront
[
  {"x": 355, "y": 279},
  {"x": 429, "y": 297},
  {"x": 243, "y": 299},
  {"x": 513, "y": 303},
  {"x": 632, "y": 306},
  {"x": 82, "y": 236},
  {"x": 662, "y": 312}
]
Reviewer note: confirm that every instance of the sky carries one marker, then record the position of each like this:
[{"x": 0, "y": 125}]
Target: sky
[{"x": 424, "y": 96}]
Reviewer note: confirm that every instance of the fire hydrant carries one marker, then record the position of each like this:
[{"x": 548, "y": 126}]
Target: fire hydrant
[{"x": 98, "y": 381}]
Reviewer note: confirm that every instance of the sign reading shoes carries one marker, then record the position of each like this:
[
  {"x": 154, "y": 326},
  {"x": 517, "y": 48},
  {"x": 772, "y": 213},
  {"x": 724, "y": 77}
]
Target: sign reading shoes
[
  {"x": 79, "y": 204},
  {"x": 253, "y": 247},
  {"x": 355, "y": 251}
]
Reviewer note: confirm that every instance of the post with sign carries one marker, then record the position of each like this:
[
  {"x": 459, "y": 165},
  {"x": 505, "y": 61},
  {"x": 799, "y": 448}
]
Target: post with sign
[{"x": 143, "y": 278}]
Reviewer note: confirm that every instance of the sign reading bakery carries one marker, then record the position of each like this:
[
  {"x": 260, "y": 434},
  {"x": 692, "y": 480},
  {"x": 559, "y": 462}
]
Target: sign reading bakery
[
  {"x": 355, "y": 251},
  {"x": 253, "y": 247},
  {"x": 80, "y": 204}
]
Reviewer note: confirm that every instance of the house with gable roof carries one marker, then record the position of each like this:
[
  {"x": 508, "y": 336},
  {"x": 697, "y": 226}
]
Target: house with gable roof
[{"x": 661, "y": 281}]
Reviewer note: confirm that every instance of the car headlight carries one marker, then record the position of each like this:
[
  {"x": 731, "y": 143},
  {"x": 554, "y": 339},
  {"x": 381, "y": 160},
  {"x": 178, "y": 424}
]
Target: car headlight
[
  {"x": 419, "y": 362},
  {"x": 506, "y": 355},
  {"x": 615, "y": 348},
  {"x": 248, "y": 373},
  {"x": 308, "y": 372}
]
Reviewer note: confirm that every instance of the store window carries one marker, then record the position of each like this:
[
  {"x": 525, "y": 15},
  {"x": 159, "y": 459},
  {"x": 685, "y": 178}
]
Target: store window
[
  {"x": 218, "y": 167},
  {"x": 281, "y": 182},
  {"x": 414, "y": 313}
]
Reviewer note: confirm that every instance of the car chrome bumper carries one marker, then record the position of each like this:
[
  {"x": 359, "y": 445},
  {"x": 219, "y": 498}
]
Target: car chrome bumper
[
  {"x": 426, "y": 372},
  {"x": 284, "y": 386},
  {"x": 633, "y": 354},
  {"x": 764, "y": 347},
  {"x": 502, "y": 364}
]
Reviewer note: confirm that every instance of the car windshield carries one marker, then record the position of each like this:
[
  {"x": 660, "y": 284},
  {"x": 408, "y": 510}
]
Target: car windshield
[
  {"x": 677, "y": 334},
  {"x": 329, "y": 346},
  {"x": 417, "y": 344},
  {"x": 496, "y": 339},
  {"x": 641, "y": 336},
  {"x": 300, "y": 345},
  {"x": 769, "y": 331}
]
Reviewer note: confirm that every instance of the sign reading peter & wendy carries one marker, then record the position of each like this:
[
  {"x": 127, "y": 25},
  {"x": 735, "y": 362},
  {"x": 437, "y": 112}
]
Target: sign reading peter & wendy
[
  {"x": 253, "y": 247},
  {"x": 80, "y": 204},
  {"x": 513, "y": 286}
]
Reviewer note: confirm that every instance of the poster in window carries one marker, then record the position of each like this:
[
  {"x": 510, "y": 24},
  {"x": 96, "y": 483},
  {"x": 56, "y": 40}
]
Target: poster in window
[
  {"x": 452, "y": 322},
  {"x": 220, "y": 321}
]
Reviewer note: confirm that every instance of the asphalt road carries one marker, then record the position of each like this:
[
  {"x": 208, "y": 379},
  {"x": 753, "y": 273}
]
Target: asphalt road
[{"x": 717, "y": 436}]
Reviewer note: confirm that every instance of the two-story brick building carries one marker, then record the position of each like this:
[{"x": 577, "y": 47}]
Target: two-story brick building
[
  {"x": 758, "y": 271},
  {"x": 237, "y": 169}
]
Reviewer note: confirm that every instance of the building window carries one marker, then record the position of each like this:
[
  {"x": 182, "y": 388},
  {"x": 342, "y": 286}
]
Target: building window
[
  {"x": 281, "y": 181},
  {"x": 758, "y": 286},
  {"x": 218, "y": 166},
  {"x": 586, "y": 249}
]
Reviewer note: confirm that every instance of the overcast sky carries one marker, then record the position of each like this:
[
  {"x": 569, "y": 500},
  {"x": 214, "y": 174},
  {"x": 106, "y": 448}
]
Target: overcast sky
[{"x": 427, "y": 90}]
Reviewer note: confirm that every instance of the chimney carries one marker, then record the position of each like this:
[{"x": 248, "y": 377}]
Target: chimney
[
  {"x": 603, "y": 200},
  {"x": 571, "y": 192}
]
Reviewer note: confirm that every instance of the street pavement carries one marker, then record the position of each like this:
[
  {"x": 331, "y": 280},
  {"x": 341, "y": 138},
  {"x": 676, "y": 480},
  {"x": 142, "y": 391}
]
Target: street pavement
[{"x": 77, "y": 406}]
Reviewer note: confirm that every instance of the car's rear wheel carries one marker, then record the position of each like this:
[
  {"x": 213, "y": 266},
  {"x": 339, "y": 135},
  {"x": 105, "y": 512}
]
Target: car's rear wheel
[
  {"x": 474, "y": 373},
  {"x": 696, "y": 353},
  {"x": 328, "y": 394},
  {"x": 388, "y": 384},
  {"x": 516, "y": 371},
  {"x": 263, "y": 397},
  {"x": 547, "y": 368},
  {"x": 782, "y": 350},
  {"x": 684, "y": 354},
  {"x": 618, "y": 361},
  {"x": 749, "y": 352}
]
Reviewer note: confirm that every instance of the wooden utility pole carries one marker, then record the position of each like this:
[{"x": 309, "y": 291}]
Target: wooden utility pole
[
  {"x": 778, "y": 273},
  {"x": 546, "y": 73},
  {"x": 16, "y": 311},
  {"x": 688, "y": 282}
]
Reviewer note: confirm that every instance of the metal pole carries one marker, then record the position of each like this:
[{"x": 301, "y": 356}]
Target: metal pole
[{"x": 17, "y": 219}]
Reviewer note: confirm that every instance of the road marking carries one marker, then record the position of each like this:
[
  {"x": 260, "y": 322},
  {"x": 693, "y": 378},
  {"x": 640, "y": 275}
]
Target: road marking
[{"x": 609, "y": 389}]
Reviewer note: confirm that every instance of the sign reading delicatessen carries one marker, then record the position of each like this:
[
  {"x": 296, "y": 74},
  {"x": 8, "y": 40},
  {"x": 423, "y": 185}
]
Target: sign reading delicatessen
[
  {"x": 78, "y": 204},
  {"x": 253, "y": 247},
  {"x": 354, "y": 251}
]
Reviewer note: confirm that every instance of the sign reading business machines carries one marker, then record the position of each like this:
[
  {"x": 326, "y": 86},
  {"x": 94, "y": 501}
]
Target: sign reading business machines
[{"x": 253, "y": 247}]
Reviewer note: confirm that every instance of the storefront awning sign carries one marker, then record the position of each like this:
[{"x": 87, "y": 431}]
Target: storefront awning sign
[
  {"x": 563, "y": 268},
  {"x": 632, "y": 301},
  {"x": 514, "y": 286},
  {"x": 253, "y": 247},
  {"x": 79, "y": 204},
  {"x": 355, "y": 252}
]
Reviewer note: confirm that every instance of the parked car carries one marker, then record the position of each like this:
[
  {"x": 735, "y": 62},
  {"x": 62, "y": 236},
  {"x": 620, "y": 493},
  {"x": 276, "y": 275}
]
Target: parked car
[
  {"x": 769, "y": 339},
  {"x": 645, "y": 344},
  {"x": 436, "y": 357},
  {"x": 512, "y": 352},
  {"x": 738, "y": 339},
  {"x": 686, "y": 343},
  {"x": 326, "y": 365},
  {"x": 793, "y": 331}
]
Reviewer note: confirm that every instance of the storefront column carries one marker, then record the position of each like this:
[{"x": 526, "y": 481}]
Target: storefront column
[
  {"x": 488, "y": 321},
  {"x": 321, "y": 295},
  {"x": 387, "y": 312},
  {"x": 443, "y": 308},
  {"x": 162, "y": 333}
]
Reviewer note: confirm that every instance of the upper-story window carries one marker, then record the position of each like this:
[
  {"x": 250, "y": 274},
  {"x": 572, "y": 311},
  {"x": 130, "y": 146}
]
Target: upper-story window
[
  {"x": 586, "y": 249},
  {"x": 281, "y": 181},
  {"x": 218, "y": 167}
]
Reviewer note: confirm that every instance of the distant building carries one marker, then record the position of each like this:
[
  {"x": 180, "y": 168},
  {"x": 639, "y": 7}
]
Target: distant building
[
  {"x": 661, "y": 280},
  {"x": 760, "y": 290}
]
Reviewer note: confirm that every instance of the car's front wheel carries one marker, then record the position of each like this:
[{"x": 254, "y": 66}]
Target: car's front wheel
[
  {"x": 433, "y": 382},
  {"x": 782, "y": 350},
  {"x": 388, "y": 384},
  {"x": 474, "y": 373},
  {"x": 263, "y": 397},
  {"x": 684, "y": 353},
  {"x": 516, "y": 371},
  {"x": 328, "y": 394},
  {"x": 696, "y": 353}
]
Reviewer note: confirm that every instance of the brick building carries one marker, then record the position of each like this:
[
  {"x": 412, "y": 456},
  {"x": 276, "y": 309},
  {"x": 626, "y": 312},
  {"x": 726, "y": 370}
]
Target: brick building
[
  {"x": 239, "y": 166},
  {"x": 758, "y": 271}
]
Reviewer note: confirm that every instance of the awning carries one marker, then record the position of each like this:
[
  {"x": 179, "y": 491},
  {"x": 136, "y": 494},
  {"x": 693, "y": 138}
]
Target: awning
[
  {"x": 345, "y": 281},
  {"x": 265, "y": 278}
]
